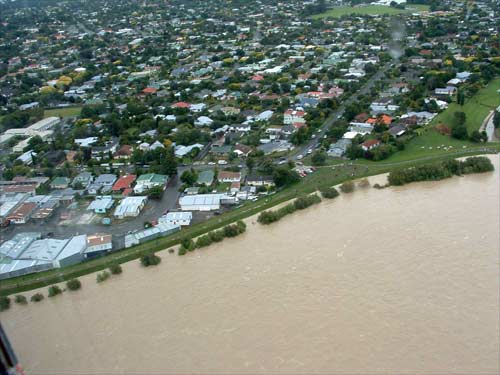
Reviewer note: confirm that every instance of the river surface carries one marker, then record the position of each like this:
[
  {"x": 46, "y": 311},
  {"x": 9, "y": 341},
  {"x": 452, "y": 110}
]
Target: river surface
[{"x": 397, "y": 281}]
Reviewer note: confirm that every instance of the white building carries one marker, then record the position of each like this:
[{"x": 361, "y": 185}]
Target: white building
[
  {"x": 130, "y": 207},
  {"x": 293, "y": 117},
  {"x": 177, "y": 218},
  {"x": 101, "y": 204},
  {"x": 160, "y": 230},
  {"x": 201, "y": 202}
]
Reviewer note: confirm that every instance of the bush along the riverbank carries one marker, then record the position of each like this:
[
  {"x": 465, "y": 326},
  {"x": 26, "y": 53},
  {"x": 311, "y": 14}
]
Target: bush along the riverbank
[
  {"x": 268, "y": 217},
  {"x": 329, "y": 193},
  {"x": 439, "y": 171},
  {"x": 231, "y": 230}
]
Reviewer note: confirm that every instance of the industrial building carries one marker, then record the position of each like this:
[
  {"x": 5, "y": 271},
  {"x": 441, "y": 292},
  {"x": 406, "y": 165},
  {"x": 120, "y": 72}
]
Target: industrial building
[
  {"x": 98, "y": 244},
  {"x": 201, "y": 202},
  {"x": 26, "y": 253},
  {"x": 130, "y": 207},
  {"x": 160, "y": 230},
  {"x": 177, "y": 218}
]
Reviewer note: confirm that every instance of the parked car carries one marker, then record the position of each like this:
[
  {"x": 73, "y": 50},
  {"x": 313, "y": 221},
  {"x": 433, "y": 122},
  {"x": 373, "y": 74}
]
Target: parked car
[{"x": 300, "y": 157}]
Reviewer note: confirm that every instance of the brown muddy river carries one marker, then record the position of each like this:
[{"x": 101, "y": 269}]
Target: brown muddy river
[{"x": 397, "y": 281}]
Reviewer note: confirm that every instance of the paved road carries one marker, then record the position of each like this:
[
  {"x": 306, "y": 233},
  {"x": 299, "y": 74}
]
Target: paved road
[{"x": 335, "y": 115}]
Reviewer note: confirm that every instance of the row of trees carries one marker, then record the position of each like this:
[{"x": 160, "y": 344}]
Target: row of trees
[
  {"x": 231, "y": 230},
  {"x": 441, "y": 170},
  {"x": 268, "y": 217}
]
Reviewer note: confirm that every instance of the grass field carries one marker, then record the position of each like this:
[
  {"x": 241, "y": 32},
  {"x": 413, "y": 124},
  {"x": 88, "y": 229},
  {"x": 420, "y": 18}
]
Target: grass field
[
  {"x": 476, "y": 108},
  {"x": 370, "y": 10},
  {"x": 62, "y": 112}
]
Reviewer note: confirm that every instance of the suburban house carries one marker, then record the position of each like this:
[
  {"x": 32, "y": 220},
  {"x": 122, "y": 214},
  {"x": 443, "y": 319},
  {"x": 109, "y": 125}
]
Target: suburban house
[
  {"x": 259, "y": 180},
  {"x": 60, "y": 183},
  {"x": 206, "y": 177},
  {"x": 339, "y": 148},
  {"x": 102, "y": 151},
  {"x": 370, "y": 144},
  {"x": 445, "y": 91},
  {"x": 149, "y": 180},
  {"x": 101, "y": 204},
  {"x": 291, "y": 117},
  {"x": 123, "y": 184},
  {"x": 84, "y": 179},
  {"x": 226, "y": 176},
  {"x": 103, "y": 183},
  {"x": 242, "y": 150},
  {"x": 124, "y": 152},
  {"x": 22, "y": 213}
]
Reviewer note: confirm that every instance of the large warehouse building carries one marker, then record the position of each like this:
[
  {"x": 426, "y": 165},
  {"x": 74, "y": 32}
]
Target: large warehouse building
[{"x": 201, "y": 202}]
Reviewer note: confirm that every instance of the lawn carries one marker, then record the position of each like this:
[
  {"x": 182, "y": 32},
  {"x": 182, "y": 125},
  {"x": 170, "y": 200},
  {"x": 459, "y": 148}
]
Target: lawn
[
  {"x": 476, "y": 108},
  {"x": 371, "y": 10},
  {"x": 62, "y": 112}
]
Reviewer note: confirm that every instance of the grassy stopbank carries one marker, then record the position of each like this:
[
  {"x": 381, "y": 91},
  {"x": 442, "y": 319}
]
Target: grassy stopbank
[{"x": 323, "y": 177}]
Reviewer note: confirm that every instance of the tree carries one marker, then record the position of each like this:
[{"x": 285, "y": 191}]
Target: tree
[
  {"x": 74, "y": 284},
  {"x": 150, "y": 260},
  {"x": 115, "y": 269},
  {"x": 329, "y": 193},
  {"x": 250, "y": 162},
  {"x": 319, "y": 158},
  {"x": 347, "y": 187},
  {"x": 460, "y": 118},
  {"x": 283, "y": 176},
  {"x": 104, "y": 275},
  {"x": 4, "y": 303},
  {"x": 54, "y": 290},
  {"x": 20, "y": 299},
  {"x": 459, "y": 131},
  {"x": 37, "y": 297},
  {"x": 189, "y": 177},
  {"x": 155, "y": 192}
]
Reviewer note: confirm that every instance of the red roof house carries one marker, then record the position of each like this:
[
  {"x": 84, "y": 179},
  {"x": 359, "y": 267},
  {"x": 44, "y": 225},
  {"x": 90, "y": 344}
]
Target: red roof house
[{"x": 124, "y": 182}]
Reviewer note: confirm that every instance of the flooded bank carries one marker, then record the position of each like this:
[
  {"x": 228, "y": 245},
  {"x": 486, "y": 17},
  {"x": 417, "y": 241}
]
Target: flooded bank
[{"x": 398, "y": 281}]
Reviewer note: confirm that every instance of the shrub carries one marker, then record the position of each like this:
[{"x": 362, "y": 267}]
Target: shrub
[
  {"x": 188, "y": 244},
  {"x": 216, "y": 235},
  {"x": 364, "y": 183},
  {"x": 304, "y": 202},
  {"x": 115, "y": 269},
  {"x": 4, "y": 303},
  {"x": 54, "y": 290},
  {"x": 73, "y": 284},
  {"x": 20, "y": 299},
  {"x": 330, "y": 193},
  {"x": 171, "y": 251},
  {"x": 150, "y": 260},
  {"x": 267, "y": 217},
  {"x": 104, "y": 275},
  {"x": 347, "y": 187},
  {"x": 182, "y": 250},
  {"x": 37, "y": 297},
  {"x": 203, "y": 241}
]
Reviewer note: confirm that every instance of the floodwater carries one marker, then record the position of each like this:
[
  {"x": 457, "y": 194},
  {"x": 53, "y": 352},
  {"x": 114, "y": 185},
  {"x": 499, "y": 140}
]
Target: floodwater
[{"x": 396, "y": 281}]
